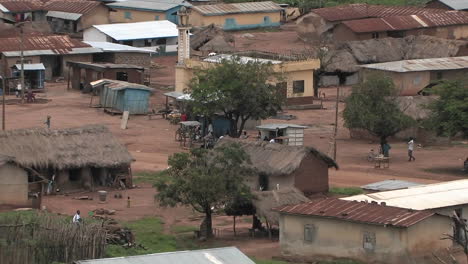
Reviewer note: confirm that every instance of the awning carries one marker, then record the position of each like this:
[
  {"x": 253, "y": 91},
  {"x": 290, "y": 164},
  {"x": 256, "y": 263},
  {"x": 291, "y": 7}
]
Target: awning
[
  {"x": 31, "y": 67},
  {"x": 174, "y": 95},
  {"x": 64, "y": 15}
]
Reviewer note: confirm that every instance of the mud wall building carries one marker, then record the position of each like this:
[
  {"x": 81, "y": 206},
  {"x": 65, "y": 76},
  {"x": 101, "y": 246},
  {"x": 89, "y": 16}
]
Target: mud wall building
[
  {"x": 239, "y": 16},
  {"x": 13, "y": 183},
  {"x": 361, "y": 231}
]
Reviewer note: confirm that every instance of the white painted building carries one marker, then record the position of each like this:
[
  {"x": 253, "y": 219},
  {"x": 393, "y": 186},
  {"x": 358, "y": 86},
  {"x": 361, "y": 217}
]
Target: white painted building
[{"x": 155, "y": 35}]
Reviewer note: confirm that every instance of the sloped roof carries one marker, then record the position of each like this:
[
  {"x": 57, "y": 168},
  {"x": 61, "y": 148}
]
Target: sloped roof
[
  {"x": 430, "y": 196},
  {"x": 17, "y": 6},
  {"x": 227, "y": 255},
  {"x": 90, "y": 146},
  {"x": 237, "y": 8},
  {"x": 31, "y": 66},
  {"x": 389, "y": 185},
  {"x": 71, "y": 6},
  {"x": 148, "y": 5},
  {"x": 277, "y": 159},
  {"x": 359, "y": 11},
  {"x": 58, "y": 44},
  {"x": 360, "y": 212},
  {"x": 114, "y": 47},
  {"x": 435, "y": 64},
  {"x": 396, "y": 23},
  {"x": 455, "y": 4},
  {"x": 139, "y": 30}
]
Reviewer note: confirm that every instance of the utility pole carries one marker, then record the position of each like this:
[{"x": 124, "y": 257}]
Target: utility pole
[
  {"x": 22, "y": 62},
  {"x": 3, "y": 102},
  {"x": 336, "y": 121}
]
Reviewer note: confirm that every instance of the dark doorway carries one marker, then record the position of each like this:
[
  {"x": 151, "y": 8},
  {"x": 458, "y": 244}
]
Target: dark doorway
[
  {"x": 74, "y": 175},
  {"x": 263, "y": 181},
  {"x": 121, "y": 76}
]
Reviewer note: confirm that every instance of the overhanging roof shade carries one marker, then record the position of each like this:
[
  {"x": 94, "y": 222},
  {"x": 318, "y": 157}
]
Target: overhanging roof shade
[
  {"x": 227, "y": 255},
  {"x": 114, "y": 47},
  {"x": 120, "y": 85},
  {"x": 51, "y": 52},
  {"x": 430, "y": 196},
  {"x": 173, "y": 94},
  {"x": 389, "y": 185},
  {"x": 64, "y": 15},
  {"x": 436, "y": 64},
  {"x": 456, "y": 4},
  {"x": 139, "y": 30},
  {"x": 103, "y": 66},
  {"x": 31, "y": 67},
  {"x": 243, "y": 59},
  {"x": 279, "y": 126}
]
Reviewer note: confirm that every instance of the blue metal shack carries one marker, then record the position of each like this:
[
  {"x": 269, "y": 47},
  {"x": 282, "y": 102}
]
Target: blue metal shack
[{"x": 122, "y": 96}]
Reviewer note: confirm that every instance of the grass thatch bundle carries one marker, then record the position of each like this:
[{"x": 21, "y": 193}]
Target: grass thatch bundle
[
  {"x": 88, "y": 146},
  {"x": 265, "y": 201},
  {"x": 277, "y": 159}
]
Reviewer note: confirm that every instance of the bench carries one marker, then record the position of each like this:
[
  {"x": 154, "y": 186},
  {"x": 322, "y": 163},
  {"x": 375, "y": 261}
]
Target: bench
[{"x": 382, "y": 162}]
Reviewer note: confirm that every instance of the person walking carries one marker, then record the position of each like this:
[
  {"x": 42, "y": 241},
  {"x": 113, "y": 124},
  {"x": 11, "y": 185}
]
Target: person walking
[{"x": 411, "y": 149}]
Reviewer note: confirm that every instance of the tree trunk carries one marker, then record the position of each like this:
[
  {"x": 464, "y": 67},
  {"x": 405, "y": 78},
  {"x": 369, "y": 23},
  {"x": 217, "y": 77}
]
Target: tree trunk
[
  {"x": 208, "y": 232},
  {"x": 317, "y": 77},
  {"x": 234, "y": 225},
  {"x": 242, "y": 125}
]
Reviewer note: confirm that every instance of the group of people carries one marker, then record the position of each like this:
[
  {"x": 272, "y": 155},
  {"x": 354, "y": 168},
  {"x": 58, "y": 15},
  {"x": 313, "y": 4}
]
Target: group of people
[{"x": 385, "y": 148}]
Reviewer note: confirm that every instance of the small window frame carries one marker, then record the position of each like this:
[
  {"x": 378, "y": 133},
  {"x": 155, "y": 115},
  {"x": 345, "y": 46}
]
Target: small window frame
[{"x": 298, "y": 87}]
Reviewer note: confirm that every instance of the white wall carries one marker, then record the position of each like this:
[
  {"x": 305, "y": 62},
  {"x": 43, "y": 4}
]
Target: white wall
[{"x": 92, "y": 34}]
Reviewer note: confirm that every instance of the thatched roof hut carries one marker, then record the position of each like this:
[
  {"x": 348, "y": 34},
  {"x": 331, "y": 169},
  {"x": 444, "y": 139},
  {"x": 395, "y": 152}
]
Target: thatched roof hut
[
  {"x": 265, "y": 201},
  {"x": 277, "y": 159},
  {"x": 88, "y": 146}
]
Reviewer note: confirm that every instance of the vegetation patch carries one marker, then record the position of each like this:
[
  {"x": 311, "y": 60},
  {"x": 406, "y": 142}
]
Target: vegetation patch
[
  {"x": 183, "y": 229},
  {"x": 348, "y": 191},
  {"x": 148, "y": 176}
]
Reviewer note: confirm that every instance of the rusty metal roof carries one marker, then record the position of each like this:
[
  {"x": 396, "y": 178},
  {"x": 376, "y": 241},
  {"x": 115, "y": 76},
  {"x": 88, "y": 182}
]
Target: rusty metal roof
[
  {"x": 357, "y": 212},
  {"x": 359, "y": 11},
  {"x": 396, "y": 23},
  {"x": 71, "y": 6},
  {"x": 59, "y": 44},
  {"x": 237, "y": 8},
  {"x": 19, "y": 6}
]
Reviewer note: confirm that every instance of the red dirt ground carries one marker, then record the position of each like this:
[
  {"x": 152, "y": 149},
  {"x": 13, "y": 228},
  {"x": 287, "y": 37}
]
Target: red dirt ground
[{"x": 151, "y": 142}]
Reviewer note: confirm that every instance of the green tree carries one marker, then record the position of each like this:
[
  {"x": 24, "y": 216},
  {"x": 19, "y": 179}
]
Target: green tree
[
  {"x": 206, "y": 180},
  {"x": 240, "y": 90},
  {"x": 449, "y": 114},
  {"x": 372, "y": 106}
]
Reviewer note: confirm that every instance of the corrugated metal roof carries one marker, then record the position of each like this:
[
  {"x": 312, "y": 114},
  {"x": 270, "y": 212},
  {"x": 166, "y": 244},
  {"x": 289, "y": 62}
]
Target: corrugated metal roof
[
  {"x": 358, "y": 212},
  {"x": 436, "y": 64},
  {"x": 408, "y": 22},
  {"x": 423, "y": 197},
  {"x": 140, "y": 30},
  {"x": 359, "y": 11},
  {"x": 64, "y": 15},
  {"x": 31, "y": 67},
  {"x": 389, "y": 185},
  {"x": 114, "y": 47},
  {"x": 243, "y": 59},
  {"x": 58, "y": 44},
  {"x": 248, "y": 7},
  {"x": 19, "y": 6},
  {"x": 145, "y": 5},
  {"x": 456, "y": 4},
  {"x": 278, "y": 126},
  {"x": 227, "y": 255},
  {"x": 71, "y": 6},
  {"x": 51, "y": 52}
]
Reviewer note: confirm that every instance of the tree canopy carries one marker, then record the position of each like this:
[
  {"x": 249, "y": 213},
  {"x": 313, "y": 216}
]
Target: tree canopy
[
  {"x": 449, "y": 114},
  {"x": 371, "y": 106},
  {"x": 206, "y": 180},
  {"x": 237, "y": 89}
]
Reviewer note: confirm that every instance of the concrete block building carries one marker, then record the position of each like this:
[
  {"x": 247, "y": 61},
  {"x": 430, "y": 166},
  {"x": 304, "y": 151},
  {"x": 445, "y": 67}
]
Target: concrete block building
[
  {"x": 238, "y": 16},
  {"x": 131, "y": 11}
]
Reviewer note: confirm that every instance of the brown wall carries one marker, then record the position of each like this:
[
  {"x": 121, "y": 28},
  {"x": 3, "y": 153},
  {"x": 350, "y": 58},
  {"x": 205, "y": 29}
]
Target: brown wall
[
  {"x": 311, "y": 176},
  {"x": 13, "y": 185},
  {"x": 133, "y": 58},
  {"x": 134, "y": 76},
  {"x": 99, "y": 16}
]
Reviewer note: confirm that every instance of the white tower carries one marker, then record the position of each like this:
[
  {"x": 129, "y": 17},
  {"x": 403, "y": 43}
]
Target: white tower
[{"x": 183, "y": 48}]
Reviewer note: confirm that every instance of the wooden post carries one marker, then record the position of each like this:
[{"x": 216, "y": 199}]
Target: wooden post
[
  {"x": 68, "y": 80},
  {"x": 234, "y": 225}
]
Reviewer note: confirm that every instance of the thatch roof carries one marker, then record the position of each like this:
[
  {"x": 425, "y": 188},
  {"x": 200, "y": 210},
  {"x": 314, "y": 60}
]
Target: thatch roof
[
  {"x": 265, "y": 201},
  {"x": 92, "y": 146},
  {"x": 415, "y": 106},
  {"x": 217, "y": 44},
  {"x": 277, "y": 159},
  {"x": 6, "y": 159}
]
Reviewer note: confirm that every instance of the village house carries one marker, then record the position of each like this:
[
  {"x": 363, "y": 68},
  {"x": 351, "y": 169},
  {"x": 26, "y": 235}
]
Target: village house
[
  {"x": 130, "y": 11},
  {"x": 281, "y": 166},
  {"x": 121, "y": 54},
  {"x": 226, "y": 255},
  {"x": 65, "y": 16},
  {"x": 412, "y": 76},
  {"x": 81, "y": 74},
  {"x": 73, "y": 158},
  {"x": 237, "y": 16},
  {"x": 158, "y": 36},
  {"x": 448, "y": 4},
  {"x": 297, "y": 85},
  {"x": 372, "y": 233},
  {"x": 288, "y": 134},
  {"x": 13, "y": 183},
  {"x": 53, "y": 51},
  {"x": 21, "y": 11}
]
